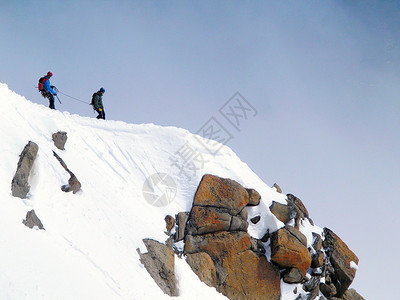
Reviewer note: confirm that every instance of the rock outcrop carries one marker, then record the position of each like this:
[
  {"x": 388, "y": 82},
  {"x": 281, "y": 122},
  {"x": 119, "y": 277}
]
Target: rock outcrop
[
  {"x": 202, "y": 264},
  {"x": 292, "y": 212},
  {"x": 329, "y": 263},
  {"x": 241, "y": 273},
  {"x": 181, "y": 219},
  {"x": 217, "y": 229},
  {"x": 32, "y": 220},
  {"x": 59, "y": 139},
  {"x": 159, "y": 261},
  {"x": 73, "y": 183},
  {"x": 289, "y": 250},
  {"x": 343, "y": 261},
  {"x": 254, "y": 197},
  {"x": 351, "y": 294},
  {"x": 221, "y": 193},
  {"x": 169, "y": 224},
  {"x": 327, "y": 267},
  {"x": 19, "y": 185},
  {"x": 282, "y": 212},
  {"x": 221, "y": 252},
  {"x": 277, "y": 187}
]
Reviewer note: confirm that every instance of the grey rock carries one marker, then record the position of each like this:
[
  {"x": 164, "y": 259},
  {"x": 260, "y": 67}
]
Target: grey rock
[
  {"x": 340, "y": 258},
  {"x": 32, "y": 220},
  {"x": 238, "y": 224},
  {"x": 317, "y": 259},
  {"x": 169, "y": 224},
  {"x": 281, "y": 211},
  {"x": 293, "y": 276},
  {"x": 299, "y": 204},
  {"x": 19, "y": 185},
  {"x": 159, "y": 261},
  {"x": 314, "y": 295},
  {"x": 312, "y": 283},
  {"x": 59, "y": 139},
  {"x": 296, "y": 233},
  {"x": 328, "y": 269},
  {"x": 181, "y": 219},
  {"x": 170, "y": 243},
  {"x": 244, "y": 214},
  {"x": 327, "y": 290},
  {"x": 254, "y": 197},
  {"x": 257, "y": 246},
  {"x": 255, "y": 220},
  {"x": 351, "y": 294},
  {"x": 278, "y": 189},
  {"x": 203, "y": 266},
  {"x": 73, "y": 183},
  {"x": 317, "y": 241},
  {"x": 265, "y": 237}
]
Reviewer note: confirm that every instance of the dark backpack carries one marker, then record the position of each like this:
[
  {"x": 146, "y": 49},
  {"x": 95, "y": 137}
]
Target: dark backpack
[
  {"x": 92, "y": 103},
  {"x": 42, "y": 80}
]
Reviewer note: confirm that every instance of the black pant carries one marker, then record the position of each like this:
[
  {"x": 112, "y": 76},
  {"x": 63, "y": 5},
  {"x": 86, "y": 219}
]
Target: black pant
[
  {"x": 51, "y": 99},
  {"x": 101, "y": 113}
]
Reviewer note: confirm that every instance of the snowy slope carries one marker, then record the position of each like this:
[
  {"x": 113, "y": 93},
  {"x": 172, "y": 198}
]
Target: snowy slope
[{"x": 88, "y": 250}]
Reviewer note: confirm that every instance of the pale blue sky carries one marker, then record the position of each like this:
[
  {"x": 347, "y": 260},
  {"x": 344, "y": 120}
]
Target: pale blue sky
[{"x": 322, "y": 75}]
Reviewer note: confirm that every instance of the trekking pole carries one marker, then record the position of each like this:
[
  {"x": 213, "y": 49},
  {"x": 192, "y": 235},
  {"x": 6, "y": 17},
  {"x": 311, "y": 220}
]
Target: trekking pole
[{"x": 57, "y": 91}]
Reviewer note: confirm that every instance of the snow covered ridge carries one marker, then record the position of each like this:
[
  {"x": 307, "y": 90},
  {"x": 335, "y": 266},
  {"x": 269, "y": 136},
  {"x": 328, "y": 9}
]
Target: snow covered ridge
[{"x": 91, "y": 245}]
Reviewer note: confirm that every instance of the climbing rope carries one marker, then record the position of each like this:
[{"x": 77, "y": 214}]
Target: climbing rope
[{"x": 74, "y": 98}]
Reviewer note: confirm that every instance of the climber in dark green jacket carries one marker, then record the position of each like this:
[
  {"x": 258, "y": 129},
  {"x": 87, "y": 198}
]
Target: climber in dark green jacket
[{"x": 97, "y": 102}]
